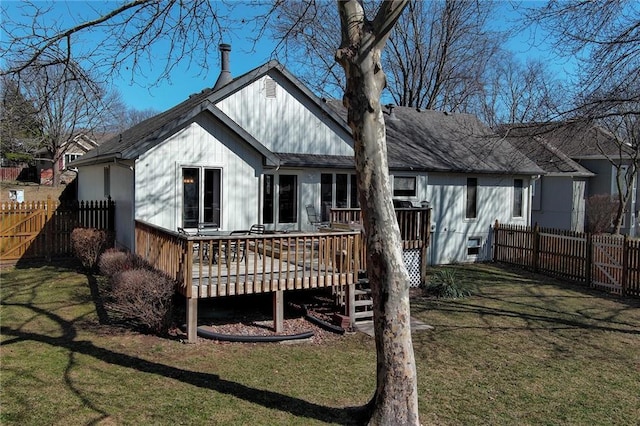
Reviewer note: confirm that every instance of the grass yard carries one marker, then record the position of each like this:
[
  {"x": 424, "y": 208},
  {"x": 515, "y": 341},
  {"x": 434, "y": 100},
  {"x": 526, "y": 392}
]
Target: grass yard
[{"x": 522, "y": 350}]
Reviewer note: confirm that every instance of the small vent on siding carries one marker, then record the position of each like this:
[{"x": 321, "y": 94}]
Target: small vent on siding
[{"x": 270, "y": 88}]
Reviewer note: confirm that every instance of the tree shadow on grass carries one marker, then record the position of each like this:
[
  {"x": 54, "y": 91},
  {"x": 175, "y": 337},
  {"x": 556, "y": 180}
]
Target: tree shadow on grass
[{"x": 265, "y": 398}]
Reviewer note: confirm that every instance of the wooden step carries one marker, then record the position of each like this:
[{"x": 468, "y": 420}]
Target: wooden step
[
  {"x": 364, "y": 302},
  {"x": 363, "y": 314}
]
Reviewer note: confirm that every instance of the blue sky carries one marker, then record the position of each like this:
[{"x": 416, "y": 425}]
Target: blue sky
[{"x": 144, "y": 94}]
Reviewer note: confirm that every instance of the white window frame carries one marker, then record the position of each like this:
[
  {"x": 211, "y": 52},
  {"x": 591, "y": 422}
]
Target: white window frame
[
  {"x": 474, "y": 244},
  {"x": 409, "y": 181},
  {"x": 513, "y": 199}
]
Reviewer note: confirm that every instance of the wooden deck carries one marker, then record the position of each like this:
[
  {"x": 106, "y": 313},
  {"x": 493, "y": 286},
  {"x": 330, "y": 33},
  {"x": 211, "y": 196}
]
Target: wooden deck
[
  {"x": 230, "y": 265},
  {"x": 263, "y": 268}
]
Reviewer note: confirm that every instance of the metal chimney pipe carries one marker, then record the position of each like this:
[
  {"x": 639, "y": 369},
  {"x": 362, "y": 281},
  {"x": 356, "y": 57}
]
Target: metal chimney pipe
[{"x": 225, "y": 72}]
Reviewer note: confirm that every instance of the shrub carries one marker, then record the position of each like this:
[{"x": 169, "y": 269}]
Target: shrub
[
  {"x": 113, "y": 261},
  {"x": 600, "y": 212},
  {"x": 445, "y": 284},
  {"x": 88, "y": 244},
  {"x": 144, "y": 296}
]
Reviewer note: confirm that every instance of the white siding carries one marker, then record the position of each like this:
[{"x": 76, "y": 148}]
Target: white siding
[
  {"x": 451, "y": 230},
  {"x": 91, "y": 186},
  {"x": 287, "y": 122},
  {"x": 90, "y": 182},
  {"x": 200, "y": 144},
  {"x": 121, "y": 191},
  {"x": 556, "y": 202}
]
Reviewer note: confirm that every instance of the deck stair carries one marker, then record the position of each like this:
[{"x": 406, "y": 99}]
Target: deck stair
[{"x": 363, "y": 302}]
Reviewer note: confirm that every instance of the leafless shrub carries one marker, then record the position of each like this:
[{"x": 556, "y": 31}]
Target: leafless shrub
[
  {"x": 88, "y": 244},
  {"x": 144, "y": 296},
  {"x": 113, "y": 261},
  {"x": 601, "y": 210}
]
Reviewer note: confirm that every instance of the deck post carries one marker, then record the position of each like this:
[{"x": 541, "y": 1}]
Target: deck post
[
  {"x": 192, "y": 320},
  {"x": 351, "y": 304},
  {"x": 278, "y": 310}
]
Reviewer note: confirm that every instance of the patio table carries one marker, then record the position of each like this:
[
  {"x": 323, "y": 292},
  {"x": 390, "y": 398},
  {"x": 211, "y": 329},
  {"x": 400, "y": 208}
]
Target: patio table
[{"x": 204, "y": 232}]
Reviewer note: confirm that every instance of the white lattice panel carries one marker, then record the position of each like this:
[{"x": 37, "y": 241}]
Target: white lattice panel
[{"x": 412, "y": 262}]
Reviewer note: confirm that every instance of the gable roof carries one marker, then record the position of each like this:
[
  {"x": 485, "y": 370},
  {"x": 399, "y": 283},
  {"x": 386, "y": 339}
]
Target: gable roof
[
  {"x": 577, "y": 139},
  {"x": 426, "y": 140},
  {"x": 550, "y": 159},
  {"x": 138, "y": 139}
]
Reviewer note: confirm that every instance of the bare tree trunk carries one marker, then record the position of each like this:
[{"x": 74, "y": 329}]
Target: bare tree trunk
[{"x": 396, "y": 399}]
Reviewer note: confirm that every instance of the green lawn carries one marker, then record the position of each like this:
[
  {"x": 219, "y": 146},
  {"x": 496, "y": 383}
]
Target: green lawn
[{"x": 522, "y": 350}]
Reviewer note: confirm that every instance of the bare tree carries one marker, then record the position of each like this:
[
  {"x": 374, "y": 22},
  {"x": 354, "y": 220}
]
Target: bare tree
[
  {"x": 436, "y": 59},
  {"x": 623, "y": 152},
  {"x": 604, "y": 37},
  {"x": 129, "y": 33},
  {"x": 189, "y": 26},
  {"x": 439, "y": 52},
  {"x": 118, "y": 117},
  {"x": 20, "y": 128},
  {"x": 360, "y": 54},
  {"x": 66, "y": 101},
  {"x": 517, "y": 92}
]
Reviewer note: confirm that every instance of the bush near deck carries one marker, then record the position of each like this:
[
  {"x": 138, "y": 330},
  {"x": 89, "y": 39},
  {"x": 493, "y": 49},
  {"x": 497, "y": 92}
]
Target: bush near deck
[{"x": 523, "y": 349}]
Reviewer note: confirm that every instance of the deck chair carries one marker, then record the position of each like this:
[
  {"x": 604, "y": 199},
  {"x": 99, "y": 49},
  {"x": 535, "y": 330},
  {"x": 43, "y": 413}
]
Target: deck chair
[
  {"x": 314, "y": 218},
  {"x": 196, "y": 246},
  {"x": 238, "y": 250}
]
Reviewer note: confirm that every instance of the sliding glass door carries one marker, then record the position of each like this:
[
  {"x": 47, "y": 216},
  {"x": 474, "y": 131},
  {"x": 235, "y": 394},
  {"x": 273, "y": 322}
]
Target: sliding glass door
[
  {"x": 280, "y": 199},
  {"x": 201, "y": 196}
]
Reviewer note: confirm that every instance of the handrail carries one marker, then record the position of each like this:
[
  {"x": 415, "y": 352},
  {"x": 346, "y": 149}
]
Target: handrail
[{"x": 223, "y": 265}]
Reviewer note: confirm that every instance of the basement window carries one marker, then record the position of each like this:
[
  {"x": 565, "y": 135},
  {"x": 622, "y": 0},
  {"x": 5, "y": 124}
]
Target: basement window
[{"x": 474, "y": 244}]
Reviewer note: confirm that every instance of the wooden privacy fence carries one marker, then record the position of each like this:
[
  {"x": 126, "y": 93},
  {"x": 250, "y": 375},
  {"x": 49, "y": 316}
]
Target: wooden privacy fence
[
  {"x": 610, "y": 262},
  {"x": 42, "y": 229}
]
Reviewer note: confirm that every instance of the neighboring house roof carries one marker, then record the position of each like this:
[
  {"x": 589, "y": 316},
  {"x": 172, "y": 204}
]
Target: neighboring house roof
[
  {"x": 550, "y": 159},
  {"x": 578, "y": 139},
  {"x": 427, "y": 140},
  {"x": 79, "y": 144}
]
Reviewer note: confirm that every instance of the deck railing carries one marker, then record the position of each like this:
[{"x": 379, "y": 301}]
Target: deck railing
[
  {"x": 414, "y": 224},
  {"x": 219, "y": 266}
]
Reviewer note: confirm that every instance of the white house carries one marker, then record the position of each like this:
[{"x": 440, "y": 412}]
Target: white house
[{"x": 260, "y": 147}]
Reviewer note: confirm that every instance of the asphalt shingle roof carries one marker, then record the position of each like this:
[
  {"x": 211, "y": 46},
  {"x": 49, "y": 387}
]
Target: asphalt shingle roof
[
  {"x": 577, "y": 139},
  {"x": 429, "y": 140},
  {"x": 417, "y": 140}
]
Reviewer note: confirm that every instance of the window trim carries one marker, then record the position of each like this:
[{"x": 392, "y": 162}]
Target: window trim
[
  {"x": 201, "y": 192},
  {"x": 412, "y": 181},
  {"x": 472, "y": 182},
  {"x": 514, "y": 202},
  {"x": 474, "y": 247}
]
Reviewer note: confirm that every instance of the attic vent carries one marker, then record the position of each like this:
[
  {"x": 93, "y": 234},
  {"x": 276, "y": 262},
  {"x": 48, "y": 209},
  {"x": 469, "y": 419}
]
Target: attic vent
[{"x": 270, "y": 88}]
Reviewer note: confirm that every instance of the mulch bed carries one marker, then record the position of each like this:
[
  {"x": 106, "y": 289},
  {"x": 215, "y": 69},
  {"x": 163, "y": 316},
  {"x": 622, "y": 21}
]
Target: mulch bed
[{"x": 252, "y": 316}]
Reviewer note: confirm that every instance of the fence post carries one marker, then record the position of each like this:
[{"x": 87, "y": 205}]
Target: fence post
[
  {"x": 49, "y": 224},
  {"x": 625, "y": 265},
  {"x": 536, "y": 247},
  {"x": 495, "y": 241},
  {"x": 111, "y": 214},
  {"x": 589, "y": 260}
]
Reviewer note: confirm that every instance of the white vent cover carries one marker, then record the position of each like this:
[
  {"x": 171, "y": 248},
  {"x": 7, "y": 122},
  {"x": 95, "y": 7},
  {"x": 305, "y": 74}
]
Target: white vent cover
[{"x": 270, "y": 88}]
